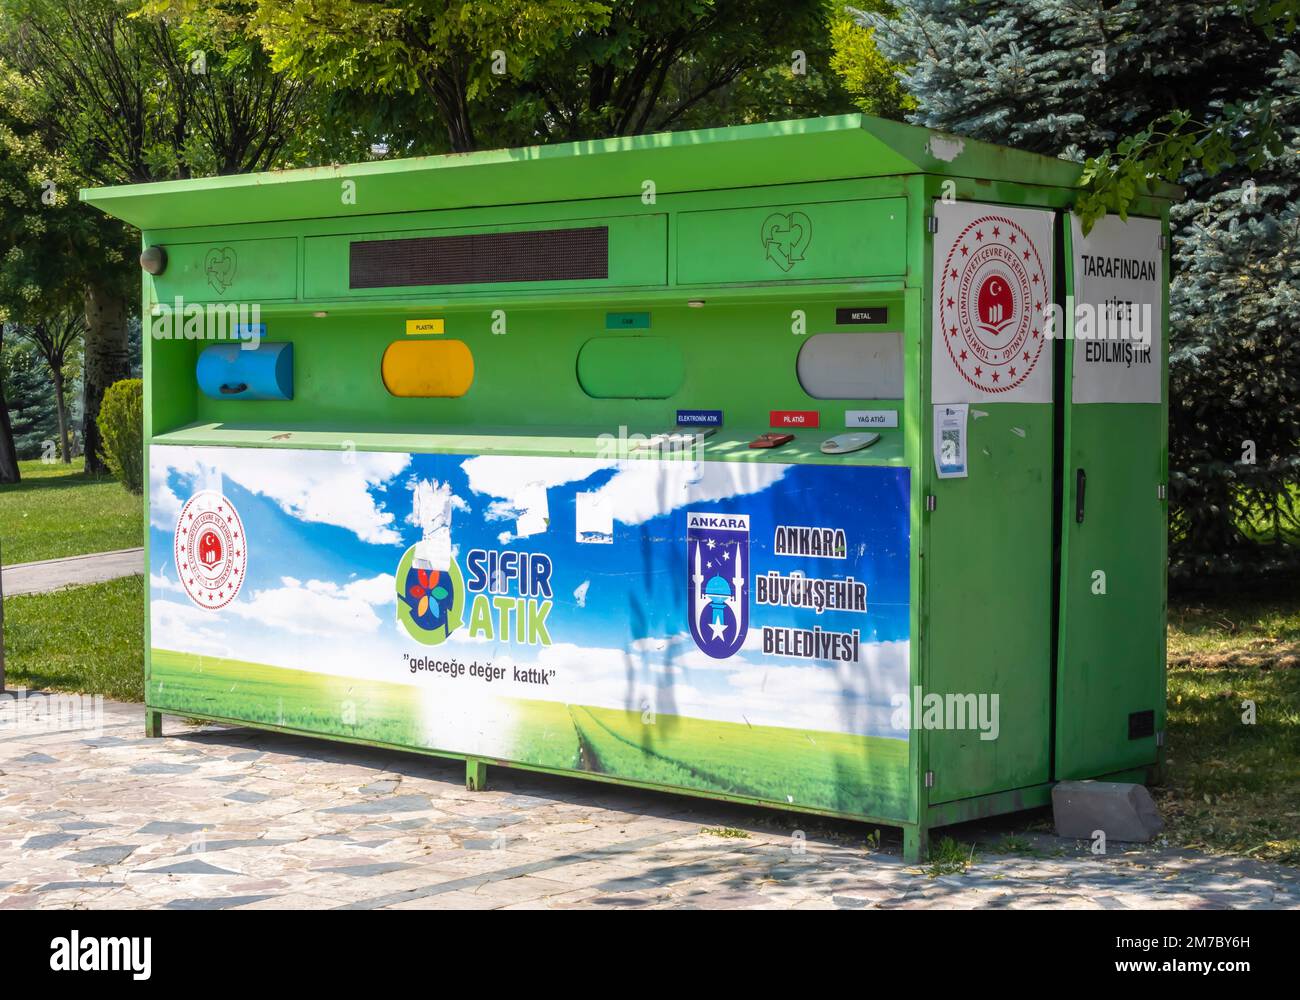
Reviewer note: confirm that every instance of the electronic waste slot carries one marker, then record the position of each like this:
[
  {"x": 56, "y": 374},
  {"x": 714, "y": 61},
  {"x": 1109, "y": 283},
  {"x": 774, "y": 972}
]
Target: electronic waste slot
[{"x": 767, "y": 490}]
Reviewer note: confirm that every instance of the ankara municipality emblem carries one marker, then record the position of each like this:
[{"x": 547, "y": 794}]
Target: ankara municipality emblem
[
  {"x": 993, "y": 304},
  {"x": 209, "y": 549},
  {"x": 717, "y": 567}
]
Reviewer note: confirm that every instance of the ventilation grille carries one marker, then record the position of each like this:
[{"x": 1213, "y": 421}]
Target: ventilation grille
[
  {"x": 1142, "y": 724},
  {"x": 548, "y": 255}
]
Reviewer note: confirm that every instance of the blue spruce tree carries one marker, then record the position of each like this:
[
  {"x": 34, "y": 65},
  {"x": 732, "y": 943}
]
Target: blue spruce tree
[{"x": 1071, "y": 78}]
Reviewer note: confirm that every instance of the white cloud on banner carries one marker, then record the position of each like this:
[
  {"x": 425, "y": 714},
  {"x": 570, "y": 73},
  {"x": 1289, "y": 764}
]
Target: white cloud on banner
[
  {"x": 647, "y": 489},
  {"x": 320, "y": 608},
  {"x": 321, "y": 487},
  {"x": 639, "y": 490},
  {"x": 504, "y": 476}
]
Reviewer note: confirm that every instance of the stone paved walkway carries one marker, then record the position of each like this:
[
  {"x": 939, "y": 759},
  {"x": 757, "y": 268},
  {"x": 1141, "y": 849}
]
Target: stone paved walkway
[
  {"x": 214, "y": 817},
  {"x": 53, "y": 574}
]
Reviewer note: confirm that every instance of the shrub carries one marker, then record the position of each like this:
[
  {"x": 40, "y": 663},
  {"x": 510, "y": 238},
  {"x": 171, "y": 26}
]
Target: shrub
[{"x": 121, "y": 431}]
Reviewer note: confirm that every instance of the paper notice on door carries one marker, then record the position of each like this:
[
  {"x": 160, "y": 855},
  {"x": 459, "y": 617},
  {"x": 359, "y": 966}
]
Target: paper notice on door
[
  {"x": 1118, "y": 316},
  {"x": 950, "y": 440}
]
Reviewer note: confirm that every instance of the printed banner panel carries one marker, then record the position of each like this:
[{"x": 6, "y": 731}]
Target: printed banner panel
[
  {"x": 740, "y": 628},
  {"x": 992, "y": 304},
  {"x": 1118, "y": 311}
]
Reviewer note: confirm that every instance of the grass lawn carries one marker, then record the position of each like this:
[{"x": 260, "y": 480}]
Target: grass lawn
[
  {"x": 86, "y": 639},
  {"x": 58, "y": 510},
  {"x": 1231, "y": 786}
]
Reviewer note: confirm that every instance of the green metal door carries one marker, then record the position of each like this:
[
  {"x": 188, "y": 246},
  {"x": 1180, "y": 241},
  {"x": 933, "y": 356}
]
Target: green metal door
[
  {"x": 1110, "y": 679},
  {"x": 988, "y": 561}
]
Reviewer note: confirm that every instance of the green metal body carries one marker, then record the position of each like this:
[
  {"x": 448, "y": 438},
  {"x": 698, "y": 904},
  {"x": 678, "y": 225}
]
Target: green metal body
[{"x": 999, "y": 572}]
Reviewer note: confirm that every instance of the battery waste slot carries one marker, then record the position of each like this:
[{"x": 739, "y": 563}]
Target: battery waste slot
[{"x": 239, "y": 372}]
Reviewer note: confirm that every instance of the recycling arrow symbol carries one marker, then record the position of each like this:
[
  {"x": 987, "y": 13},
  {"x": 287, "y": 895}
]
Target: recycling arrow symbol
[{"x": 786, "y": 237}]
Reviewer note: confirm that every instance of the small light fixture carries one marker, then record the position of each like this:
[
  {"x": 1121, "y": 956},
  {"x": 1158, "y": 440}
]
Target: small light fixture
[
  {"x": 320, "y": 315},
  {"x": 154, "y": 260},
  {"x": 696, "y": 303}
]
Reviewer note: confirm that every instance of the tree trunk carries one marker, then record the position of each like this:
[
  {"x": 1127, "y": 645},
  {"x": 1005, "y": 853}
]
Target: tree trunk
[
  {"x": 65, "y": 446},
  {"x": 106, "y": 361},
  {"x": 8, "y": 453}
]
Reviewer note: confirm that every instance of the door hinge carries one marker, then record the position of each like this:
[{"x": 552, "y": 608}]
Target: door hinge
[
  {"x": 1164, "y": 242},
  {"x": 932, "y": 224},
  {"x": 1161, "y": 491},
  {"x": 929, "y": 779},
  {"x": 930, "y": 501},
  {"x": 1160, "y": 738}
]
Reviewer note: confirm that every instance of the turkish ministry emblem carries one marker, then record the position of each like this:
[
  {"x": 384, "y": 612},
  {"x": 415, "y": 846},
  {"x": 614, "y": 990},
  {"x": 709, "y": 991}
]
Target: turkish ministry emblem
[
  {"x": 717, "y": 549},
  {"x": 210, "y": 550},
  {"x": 993, "y": 302}
]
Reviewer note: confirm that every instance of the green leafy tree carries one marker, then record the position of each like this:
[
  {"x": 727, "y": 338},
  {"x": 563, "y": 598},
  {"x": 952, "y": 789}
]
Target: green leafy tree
[
  {"x": 124, "y": 95},
  {"x": 56, "y": 339},
  {"x": 51, "y": 241},
  {"x": 869, "y": 77},
  {"x": 659, "y": 65},
  {"x": 505, "y": 74},
  {"x": 445, "y": 53}
]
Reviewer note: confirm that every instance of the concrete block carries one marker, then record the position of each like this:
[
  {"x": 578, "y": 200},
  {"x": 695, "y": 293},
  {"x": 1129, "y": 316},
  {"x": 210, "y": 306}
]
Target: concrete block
[{"x": 1126, "y": 812}]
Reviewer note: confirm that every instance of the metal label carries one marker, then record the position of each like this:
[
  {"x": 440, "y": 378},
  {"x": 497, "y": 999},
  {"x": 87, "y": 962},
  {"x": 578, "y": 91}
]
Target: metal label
[{"x": 861, "y": 315}]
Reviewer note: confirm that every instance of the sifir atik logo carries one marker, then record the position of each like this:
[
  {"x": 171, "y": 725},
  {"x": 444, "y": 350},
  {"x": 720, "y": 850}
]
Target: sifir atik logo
[{"x": 102, "y": 954}]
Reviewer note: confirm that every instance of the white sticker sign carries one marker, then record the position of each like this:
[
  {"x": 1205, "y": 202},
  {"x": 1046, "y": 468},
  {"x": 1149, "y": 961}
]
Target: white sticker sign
[
  {"x": 992, "y": 304},
  {"x": 1118, "y": 311},
  {"x": 950, "y": 440},
  {"x": 870, "y": 418}
]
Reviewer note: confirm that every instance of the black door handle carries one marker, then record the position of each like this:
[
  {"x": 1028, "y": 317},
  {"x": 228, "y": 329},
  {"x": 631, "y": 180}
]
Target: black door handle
[
  {"x": 233, "y": 390},
  {"x": 1080, "y": 485}
]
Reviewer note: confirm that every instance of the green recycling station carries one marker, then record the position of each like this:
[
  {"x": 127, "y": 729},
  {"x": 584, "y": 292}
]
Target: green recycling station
[{"x": 819, "y": 465}]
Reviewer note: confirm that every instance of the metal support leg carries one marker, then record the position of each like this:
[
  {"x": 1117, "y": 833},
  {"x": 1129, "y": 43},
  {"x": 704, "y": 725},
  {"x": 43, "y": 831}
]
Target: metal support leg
[
  {"x": 152, "y": 723},
  {"x": 475, "y": 774},
  {"x": 916, "y": 844}
]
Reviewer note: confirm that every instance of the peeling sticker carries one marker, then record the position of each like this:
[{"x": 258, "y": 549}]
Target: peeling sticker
[
  {"x": 1018, "y": 431},
  {"x": 534, "y": 511},
  {"x": 946, "y": 148},
  {"x": 594, "y": 518},
  {"x": 431, "y": 511}
]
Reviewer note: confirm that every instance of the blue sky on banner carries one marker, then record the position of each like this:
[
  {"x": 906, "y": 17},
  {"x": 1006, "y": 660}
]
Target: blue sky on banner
[{"x": 326, "y": 531}]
